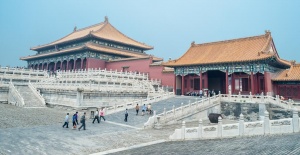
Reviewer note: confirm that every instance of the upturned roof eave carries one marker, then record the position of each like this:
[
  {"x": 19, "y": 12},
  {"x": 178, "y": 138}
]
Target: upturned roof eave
[
  {"x": 212, "y": 63},
  {"x": 147, "y": 47}
]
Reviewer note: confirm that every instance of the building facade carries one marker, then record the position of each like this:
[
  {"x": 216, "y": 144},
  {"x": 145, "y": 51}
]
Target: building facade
[
  {"x": 97, "y": 46},
  {"x": 235, "y": 66}
]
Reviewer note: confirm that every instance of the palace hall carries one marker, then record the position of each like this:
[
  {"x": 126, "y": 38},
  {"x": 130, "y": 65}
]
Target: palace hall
[
  {"x": 99, "y": 46},
  {"x": 244, "y": 65}
]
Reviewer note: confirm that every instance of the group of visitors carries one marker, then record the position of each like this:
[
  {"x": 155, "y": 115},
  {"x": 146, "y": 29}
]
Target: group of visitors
[
  {"x": 145, "y": 109},
  {"x": 97, "y": 115}
]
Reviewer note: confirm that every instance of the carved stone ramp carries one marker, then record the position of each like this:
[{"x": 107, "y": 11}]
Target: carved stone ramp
[{"x": 30, "y": 99}]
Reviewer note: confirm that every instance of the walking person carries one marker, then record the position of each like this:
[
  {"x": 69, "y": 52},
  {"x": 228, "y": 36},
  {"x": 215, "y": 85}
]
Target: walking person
[
  {"x": 137, "y": 108},
  {"x": 66, "y": 121},
  {"x": 74, "y": 121},
  {"x": 126, "y": 115},
  {"x": 149, "y": 109},
  {"x": 77, "y": 117},
  {"x": 102, "y": 114},
  {"x": 96, "y": 116},
  {"x": 82, "y": 121},
  {"x": 200, "y": 93},
  {"x": 144, "y": 108}
]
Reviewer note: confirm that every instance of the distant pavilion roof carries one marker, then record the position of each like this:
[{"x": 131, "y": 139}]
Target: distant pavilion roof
[
  {"x": 237, "y": 50},
  {"x": 103, "y": 30},
  {"x": 291, "y": 74}
]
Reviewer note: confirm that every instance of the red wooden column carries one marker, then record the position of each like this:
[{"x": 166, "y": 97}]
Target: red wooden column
[
  {"x": 81, "y": 64},
  {"x": 174, "y": 86},
  {"x": 182, "y": 84},
  {"x": 47, "y": 66},
  {"x": 226, "y": 82},
  {"x": 232, "y": 83},
  {"x": 252, "y": 83},
  {"x": 67, "y": 65},
  {"x": 74, "y": 66},
  {"x": 200, "y": 80},
  {"x": 87, "y": 63},
  {"x": 61, "y": 65},
  {"x": 266, "y": 78},
  {"x": 54, "y": 69}
]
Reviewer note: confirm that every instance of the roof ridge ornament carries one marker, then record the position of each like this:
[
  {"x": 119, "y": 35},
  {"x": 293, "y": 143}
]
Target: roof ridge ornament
[
  {"x": 293, "y": 62},
  {"x": 193, "y": 43},
  {"x": 75, "y": 28},
  {"x": 106, "y": 19},
  {"x": 268, "y": 32}
]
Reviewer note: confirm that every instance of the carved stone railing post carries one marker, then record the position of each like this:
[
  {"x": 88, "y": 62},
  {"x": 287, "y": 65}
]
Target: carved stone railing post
[
  {"x": 239, "y": 96},
  {"x": 241, "y": 125},
  {"x": 266, "y": 123},
  {"x": 173, "y": 111},
  {"x": 183, "y": 130},
  {"x": 295, "y": 120},
  {"x": 250, "y": 96},
  {"x": 262, "y": 97},
  {"x": 220, "y": 127},
  {"x": 200, "y": 129}
]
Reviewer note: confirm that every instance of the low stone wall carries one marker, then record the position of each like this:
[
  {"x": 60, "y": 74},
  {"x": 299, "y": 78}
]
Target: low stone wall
[
  {"x": 92, "y": 99},
  {"x": 219, "y": 130}
]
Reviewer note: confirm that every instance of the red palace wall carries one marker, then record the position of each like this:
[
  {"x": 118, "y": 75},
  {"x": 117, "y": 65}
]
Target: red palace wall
[
  {"x": 143, "y": 66},
  {"x": 95, "y": 63}
]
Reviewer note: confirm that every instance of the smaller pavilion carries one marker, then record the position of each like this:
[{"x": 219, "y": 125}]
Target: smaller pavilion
[{"x": 234, "y": 66}]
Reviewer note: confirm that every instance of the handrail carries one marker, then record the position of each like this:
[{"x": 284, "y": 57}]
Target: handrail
[
  {"x": 36, "y": 93},
  {"x": 14, "y": 93}
]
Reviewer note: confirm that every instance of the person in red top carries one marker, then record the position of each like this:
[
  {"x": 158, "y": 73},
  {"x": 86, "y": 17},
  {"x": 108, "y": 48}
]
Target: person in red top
[{"x": 102, "y": 114}]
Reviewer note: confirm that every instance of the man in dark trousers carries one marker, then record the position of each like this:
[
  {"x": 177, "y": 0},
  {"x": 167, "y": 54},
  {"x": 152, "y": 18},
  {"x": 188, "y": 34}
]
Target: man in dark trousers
[
  {"x": 96, "y": 116},
  {"x": 126, "y": 115},
  {"x": 66, "y": 121},
  {"x": 82, "y": 121},
  {"x": 77, "y": 117}
]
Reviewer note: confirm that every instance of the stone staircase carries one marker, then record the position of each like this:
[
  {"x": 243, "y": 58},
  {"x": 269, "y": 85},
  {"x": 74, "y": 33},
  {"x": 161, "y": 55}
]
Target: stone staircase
[{"x": 29, "y": 98}]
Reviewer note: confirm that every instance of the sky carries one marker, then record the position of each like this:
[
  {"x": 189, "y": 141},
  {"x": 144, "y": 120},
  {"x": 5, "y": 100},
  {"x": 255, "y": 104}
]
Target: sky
[{"x": 168, "y": 25}]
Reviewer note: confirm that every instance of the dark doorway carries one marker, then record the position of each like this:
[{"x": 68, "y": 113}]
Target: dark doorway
[
  {"x": 196, "y": 84},
  {"x": 216, "y": 81}
]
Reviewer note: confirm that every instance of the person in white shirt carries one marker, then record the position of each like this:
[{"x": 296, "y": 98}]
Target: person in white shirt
[
  {"x": 200, "y": 93},
  {"x": 66, "y": 121}
]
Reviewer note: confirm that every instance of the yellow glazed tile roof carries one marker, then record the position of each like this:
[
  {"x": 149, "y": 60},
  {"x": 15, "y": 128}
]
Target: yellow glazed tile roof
[
  {"x": 292, "y": 74},
  {"x": 102, "y": 30},
  {"x": 236, "y": 50}
]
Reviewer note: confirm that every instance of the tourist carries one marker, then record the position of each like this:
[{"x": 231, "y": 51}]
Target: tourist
[
  {"x": 77, "y": 117},
  {"x": 102, "y": 114},
  {"x": 96, "y": 116},
  {"x": 82, "y": 121},
  {"x": 74, "y": 121},
  {"x": 126, "y": 115},
  {"x": 137, "y": 108},
  {"x": 144, "y": 108},
  {"x": 149, "y": 109},
  {"x": 66, "y": 121},
  {"x": 200, "y": 93}
]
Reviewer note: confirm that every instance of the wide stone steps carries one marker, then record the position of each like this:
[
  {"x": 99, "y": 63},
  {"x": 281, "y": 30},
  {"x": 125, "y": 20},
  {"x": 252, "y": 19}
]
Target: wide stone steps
[{"x": 29, "y": 98}]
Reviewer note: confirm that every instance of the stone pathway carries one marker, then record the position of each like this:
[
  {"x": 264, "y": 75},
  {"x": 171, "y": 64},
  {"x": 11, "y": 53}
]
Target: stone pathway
[
  {"x": 51, "y": 138},
  {"x": 258, "y": 145}
]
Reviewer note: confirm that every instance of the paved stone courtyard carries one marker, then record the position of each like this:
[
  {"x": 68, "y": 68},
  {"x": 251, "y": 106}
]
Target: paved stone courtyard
[
  {"x": 39, "y": 131},
  {"x": 259, "y": 145}
]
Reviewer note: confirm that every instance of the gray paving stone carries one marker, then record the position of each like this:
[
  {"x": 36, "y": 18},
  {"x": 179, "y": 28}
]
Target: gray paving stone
[{"x": 270, "y": 145}]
